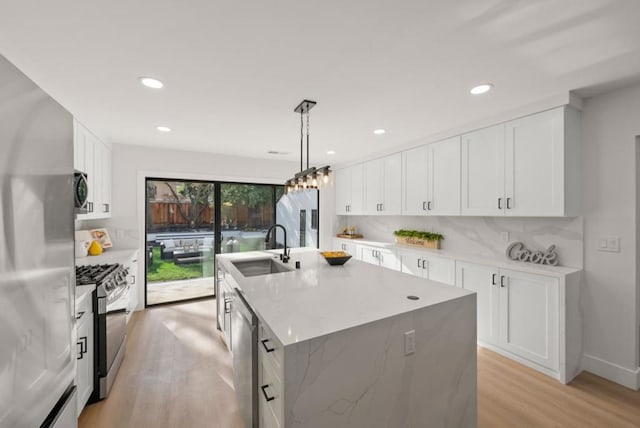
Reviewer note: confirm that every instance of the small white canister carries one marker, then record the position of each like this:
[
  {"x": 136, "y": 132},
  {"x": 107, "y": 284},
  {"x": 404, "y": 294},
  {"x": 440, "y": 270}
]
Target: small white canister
[{"x": 82, "y": 248}]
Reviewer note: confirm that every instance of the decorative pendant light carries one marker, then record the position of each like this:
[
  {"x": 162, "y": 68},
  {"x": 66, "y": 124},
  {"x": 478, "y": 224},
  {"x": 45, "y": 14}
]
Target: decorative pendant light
[{"x": 311, "y": 177}]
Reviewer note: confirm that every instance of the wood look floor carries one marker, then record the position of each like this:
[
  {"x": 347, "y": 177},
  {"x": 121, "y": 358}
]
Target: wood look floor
[{"x": 177, "y": 373}]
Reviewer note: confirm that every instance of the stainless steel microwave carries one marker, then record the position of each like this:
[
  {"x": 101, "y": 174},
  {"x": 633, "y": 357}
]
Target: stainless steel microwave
[{"x": 81, "y": 192}]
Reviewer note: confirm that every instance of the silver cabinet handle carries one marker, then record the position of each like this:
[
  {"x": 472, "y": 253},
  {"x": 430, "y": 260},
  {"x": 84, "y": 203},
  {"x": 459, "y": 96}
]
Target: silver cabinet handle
[
  {"x": 508, "y": 205},
  {"x": 429, "y": 205},
  {"x": 418, "y": 262},
  {"x": 499, "y": 203},
  {"x": 80, "y": 314},
  {"x": 424, "y": 206},
  {"x": 83, "y": 347},
  {"x": 423, "y": 266},
  {"x": 227, "y": 305},
  {"x": 381, "y": 258},
  {"x": 105, "y": 208},
  {"x": 267, "y": 348},
  {"x": 133, "y": 279},
  {"x": 381, "y": 207},
  {"x": 501, "y": 280},
  {"x": 493, "y": 279}
]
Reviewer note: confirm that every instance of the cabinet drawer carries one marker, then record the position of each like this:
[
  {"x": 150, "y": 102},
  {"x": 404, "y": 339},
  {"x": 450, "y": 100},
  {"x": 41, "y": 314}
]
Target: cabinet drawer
[
  {"x": 270, "y": 393},
  {"x": 271, "y": 348}
]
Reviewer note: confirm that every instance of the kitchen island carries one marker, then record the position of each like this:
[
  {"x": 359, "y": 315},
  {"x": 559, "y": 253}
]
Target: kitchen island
[{"x": 351, "y": 346}]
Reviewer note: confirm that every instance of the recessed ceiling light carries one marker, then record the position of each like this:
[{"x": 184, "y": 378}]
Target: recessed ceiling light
[
  {"x": 379, "y": 131},
  {"x": 150, "y": 82},
  {"x": 331, "y": 152},
  {"x": 163, "y": 129},
  {"x": 481, "y": 89}
]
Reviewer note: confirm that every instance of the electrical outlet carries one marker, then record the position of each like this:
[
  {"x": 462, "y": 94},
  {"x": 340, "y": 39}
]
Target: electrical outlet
[
  {"x": 505, "y": 236},
  {"x": 410, "y": 342},
  {"x": 609, "y": 243}
]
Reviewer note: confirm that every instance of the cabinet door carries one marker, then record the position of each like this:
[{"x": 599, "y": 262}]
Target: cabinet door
[
  {"x": 480, "y": 279},
  {"x": 343, "y": 191},
  {"x": 84, "y": 369},
  {"x": 483, "y": 172},
  {"x": 388, "y": 259},
  {"x": 369, "y": 254},
  {"x": 439, "y": 269},
  {"x": 106, "y": 181},
  {"x": 78, "y": 146},
  {"x": 414, "y": 181},
  {"x": 392, "y": 185},
  {"x": 529, "y": 317},
  {"x": 356, "y": 202},
  {"x": 444, "y": 177},
  {"x": 344, "y": 245},
  {"x": 534, "y": 165},
  {"x": 98, "y": 152},
  {"x": 373, "y": 180},
  {"x": 411, "y": 263}
]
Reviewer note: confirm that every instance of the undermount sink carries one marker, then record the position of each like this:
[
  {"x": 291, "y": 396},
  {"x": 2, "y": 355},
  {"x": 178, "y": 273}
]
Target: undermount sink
[{"x": 258, "y": 267}]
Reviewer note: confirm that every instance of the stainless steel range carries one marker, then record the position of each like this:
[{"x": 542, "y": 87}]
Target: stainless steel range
[{"x": 110, "y": 301}]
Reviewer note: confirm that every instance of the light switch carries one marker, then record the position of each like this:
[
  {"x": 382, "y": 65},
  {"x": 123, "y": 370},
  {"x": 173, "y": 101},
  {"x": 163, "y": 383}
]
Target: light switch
[{"x": 409, "y": 342}]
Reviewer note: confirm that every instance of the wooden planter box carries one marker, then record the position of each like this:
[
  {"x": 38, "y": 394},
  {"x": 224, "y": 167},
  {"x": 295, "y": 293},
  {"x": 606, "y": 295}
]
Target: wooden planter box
[{"x": 417, "y": 242}]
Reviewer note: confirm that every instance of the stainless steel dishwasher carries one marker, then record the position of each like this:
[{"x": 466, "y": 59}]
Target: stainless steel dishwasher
[{"x": 244, "y": 337}]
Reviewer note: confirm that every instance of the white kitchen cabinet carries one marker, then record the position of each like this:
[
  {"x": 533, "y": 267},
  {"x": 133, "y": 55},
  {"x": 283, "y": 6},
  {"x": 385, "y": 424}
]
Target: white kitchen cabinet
[
  {"x": 270, "y": 377},
  {"x": 345, "y": 245},
  {"x": 84, "y": 346},
  {"x": 525, "y": 167},
  {"x": 378, "y": 256},
  {"x": 383, "y": 185},
  {"x": 93, "y": 157},
  {"x": 482, "y": 279},
  {"x": 482, "y": 180},
  {"x": 349, "y": 190},
  {"x": 132, "y": 279},
  {"x": 431, "y": 179},
  {"x": 427, "y": 266},
  {"x": 517, "y": 311}
]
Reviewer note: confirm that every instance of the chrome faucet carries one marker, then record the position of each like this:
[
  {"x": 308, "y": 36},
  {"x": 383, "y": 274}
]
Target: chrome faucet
[{"x": 285, "y": 254}]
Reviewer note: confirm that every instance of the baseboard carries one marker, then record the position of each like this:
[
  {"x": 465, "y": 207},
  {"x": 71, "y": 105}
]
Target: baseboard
[{"x": 611, "y": 371}]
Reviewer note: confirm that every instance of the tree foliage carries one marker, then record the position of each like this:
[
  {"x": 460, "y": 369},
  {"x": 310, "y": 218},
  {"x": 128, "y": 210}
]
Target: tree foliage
[{"x": 250, "y": 195}]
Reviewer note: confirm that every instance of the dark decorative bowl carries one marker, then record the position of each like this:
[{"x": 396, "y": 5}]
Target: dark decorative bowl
[{"x": 336, "y": 258}]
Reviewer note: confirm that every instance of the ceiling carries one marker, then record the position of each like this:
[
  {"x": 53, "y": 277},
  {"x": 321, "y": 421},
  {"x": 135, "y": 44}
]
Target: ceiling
[{"x": 235, "y": 70}]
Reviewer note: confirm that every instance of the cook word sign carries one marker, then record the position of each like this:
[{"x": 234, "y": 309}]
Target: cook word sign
[{"x": 517, "y": 251}]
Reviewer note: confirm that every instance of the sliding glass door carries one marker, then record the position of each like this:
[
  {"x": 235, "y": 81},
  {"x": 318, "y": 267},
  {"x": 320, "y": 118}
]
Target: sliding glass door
[
  {"x": 180, "y": 237},
  {"x": 188, "y": 222}
]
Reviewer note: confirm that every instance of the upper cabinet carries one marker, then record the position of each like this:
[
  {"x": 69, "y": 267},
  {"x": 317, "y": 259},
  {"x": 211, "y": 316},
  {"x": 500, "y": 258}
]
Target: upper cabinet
[
  {"x": 93, "y": 157},
  {"x": 349, "y": 190},
  {"x": 525, "y": 167},
  {"x": 431, "y": 179},
  {"x": 382, "y": 184}
]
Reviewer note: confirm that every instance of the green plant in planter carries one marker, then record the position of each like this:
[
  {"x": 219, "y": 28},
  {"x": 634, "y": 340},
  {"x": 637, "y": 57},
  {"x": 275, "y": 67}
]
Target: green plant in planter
[{"x": 427, "y": 236}]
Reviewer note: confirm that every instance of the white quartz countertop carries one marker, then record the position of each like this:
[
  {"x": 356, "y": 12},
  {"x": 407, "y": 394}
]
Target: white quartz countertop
[
  {"x": 320, "y": 299},
  {"x": 107, "y": 257},
  {"x": 474, "y": 258}
]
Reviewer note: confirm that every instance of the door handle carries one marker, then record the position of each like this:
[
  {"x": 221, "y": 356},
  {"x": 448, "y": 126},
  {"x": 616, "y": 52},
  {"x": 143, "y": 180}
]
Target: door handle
[
  {"x": 266, "y": 348},
  {"x": 264, "y": 392},
  {"x": 501, "y": 280},
  {"x": 493, "y": 279},
  {"x": 499, "y": 203},
  {"x": 508, "y": 206}
]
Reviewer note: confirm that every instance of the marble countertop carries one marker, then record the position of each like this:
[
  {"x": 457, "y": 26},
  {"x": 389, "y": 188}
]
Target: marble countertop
[
  {"x": 319, "y": 299},
  {"x": 108, "y": 256},
  {"x": 474, "y": 258}
]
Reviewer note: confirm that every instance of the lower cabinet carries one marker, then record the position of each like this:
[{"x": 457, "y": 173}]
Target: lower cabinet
[
  {"x": 84, "y": 350},
  {"x": 378, "y": 256},
  {"x": 132, "y": 279},
  {"x": 427, "y": 266},
  {"x": 345, "y": 245},
  {"x": 517, "y": 311},
  {"x": 270, "y": 377}
]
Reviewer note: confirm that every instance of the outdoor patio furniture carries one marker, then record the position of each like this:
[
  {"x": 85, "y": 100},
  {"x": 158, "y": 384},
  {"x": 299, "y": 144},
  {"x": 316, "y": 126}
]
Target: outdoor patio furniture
[{"x": 183, "y": 257}]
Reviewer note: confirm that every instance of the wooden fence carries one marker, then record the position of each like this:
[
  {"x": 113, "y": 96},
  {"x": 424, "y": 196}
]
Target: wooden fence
[{"x": 163, "y": 215}]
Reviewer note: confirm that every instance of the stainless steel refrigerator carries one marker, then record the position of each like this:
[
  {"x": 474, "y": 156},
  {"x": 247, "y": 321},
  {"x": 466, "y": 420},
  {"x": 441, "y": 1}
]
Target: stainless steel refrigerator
[{"x": 37, "y": 276}]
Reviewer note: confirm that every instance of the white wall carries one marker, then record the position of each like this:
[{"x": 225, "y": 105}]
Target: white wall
[
  {"x": 288, "y": 214},
  {"x": 611, "y": 123},
  {"x": 131, "y": 164}
]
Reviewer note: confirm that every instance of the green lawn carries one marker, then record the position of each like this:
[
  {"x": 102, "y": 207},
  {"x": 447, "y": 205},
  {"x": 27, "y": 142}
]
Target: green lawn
[{"x": 166, "y": 270}]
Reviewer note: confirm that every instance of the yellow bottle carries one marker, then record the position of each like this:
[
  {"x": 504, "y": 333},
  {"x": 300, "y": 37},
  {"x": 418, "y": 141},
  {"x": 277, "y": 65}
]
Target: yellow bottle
[{"x": 95, "y": 249}]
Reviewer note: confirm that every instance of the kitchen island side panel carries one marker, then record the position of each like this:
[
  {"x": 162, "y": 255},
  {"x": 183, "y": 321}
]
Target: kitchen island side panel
[{"x": 361, "y": 377}]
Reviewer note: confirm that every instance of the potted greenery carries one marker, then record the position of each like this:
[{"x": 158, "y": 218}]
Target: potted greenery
[{"x": 417, "y": 238}]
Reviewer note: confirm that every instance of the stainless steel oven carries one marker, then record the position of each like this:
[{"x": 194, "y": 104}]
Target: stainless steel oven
[{"x": 110, "y": 302}]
